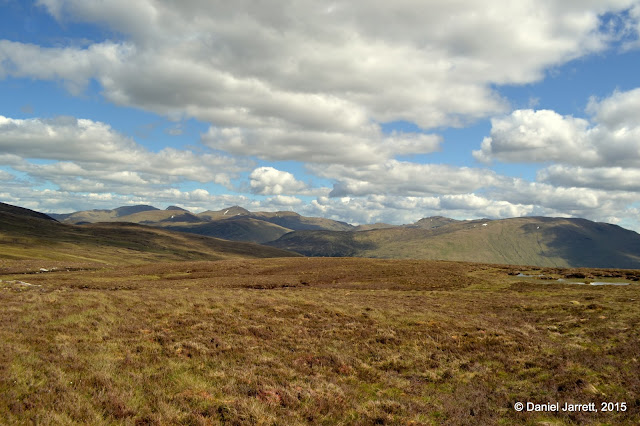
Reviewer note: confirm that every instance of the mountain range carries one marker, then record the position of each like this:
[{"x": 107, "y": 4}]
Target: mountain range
[
  {"x": 537, "y": 241},
  {"x": 29, "y": 235},
  {"x": 540, "y": 241}
]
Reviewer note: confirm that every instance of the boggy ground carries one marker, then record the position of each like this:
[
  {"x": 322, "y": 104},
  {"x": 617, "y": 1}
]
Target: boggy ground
[{"x": 325, "y": 341}]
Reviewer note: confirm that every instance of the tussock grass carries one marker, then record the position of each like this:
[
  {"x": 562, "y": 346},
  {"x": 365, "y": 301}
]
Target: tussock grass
[{"x": 326, "y": 341}]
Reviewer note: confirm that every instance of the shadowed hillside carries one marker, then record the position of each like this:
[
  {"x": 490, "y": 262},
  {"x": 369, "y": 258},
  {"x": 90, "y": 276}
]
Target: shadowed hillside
[{"x": 22, "y": 212}]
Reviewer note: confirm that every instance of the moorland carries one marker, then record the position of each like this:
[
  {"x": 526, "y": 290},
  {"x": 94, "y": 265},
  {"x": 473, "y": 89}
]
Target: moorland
[{"x": 129, "y": 324}]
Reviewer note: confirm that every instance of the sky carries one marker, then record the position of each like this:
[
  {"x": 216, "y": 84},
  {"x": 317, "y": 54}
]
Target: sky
[{"x": 360, "y": 111}]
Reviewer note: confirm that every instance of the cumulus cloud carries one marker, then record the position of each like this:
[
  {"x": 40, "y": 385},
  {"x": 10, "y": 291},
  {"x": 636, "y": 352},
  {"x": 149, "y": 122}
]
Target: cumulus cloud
[
  {"x": 401, "y": 210},
  {"x": 315, "y": 82},
  {"x": 306, "y": 71},
  {"x": 462, "y": 192},
  {"x": 606, "y": 178},
  {"x": 91, "y": 155},
  {"x": 609, "y": 138},
  {"x": 61, "y": 201},
  {"x": 596, "y": 160},
  {"x": 556, "y": 200},
  {"x": 406, "y": 178},
  {"x": 6, "y": 176},
  {"x": 365, "y": 146},
  {"x": 73, "y": 66},
  {"x": 270, "y": 181},
  {"x": 282, "y": 201},
  {"x": 536, "y": 136}
]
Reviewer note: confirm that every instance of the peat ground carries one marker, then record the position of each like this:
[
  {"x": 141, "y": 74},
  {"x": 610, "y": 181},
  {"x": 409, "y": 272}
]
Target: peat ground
[{"x": 314, "y": 340}]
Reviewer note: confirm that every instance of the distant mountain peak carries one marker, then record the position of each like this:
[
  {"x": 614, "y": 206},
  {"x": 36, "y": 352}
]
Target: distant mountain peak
[
  {"x": 234, "y": 210},
  {"x": 176, "y": 208},
  {"x": 434, "y": 222}
]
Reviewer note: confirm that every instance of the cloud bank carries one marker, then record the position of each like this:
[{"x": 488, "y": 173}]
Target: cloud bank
[{"x": 319, "y": 83}]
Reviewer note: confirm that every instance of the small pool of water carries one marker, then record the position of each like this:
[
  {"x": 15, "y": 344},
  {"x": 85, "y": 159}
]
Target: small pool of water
[
  {"x": 606, "y": 283},
  {"x": 592, "y": 283}
]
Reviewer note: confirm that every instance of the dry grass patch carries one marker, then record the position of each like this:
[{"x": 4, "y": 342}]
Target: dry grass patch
[{"x": 328, "y": 341}]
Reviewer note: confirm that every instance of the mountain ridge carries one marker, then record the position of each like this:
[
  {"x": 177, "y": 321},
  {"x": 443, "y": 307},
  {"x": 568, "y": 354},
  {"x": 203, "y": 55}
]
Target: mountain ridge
[
  {"x": 539, "y": 241},
  {"x": 27, "y": 236}
]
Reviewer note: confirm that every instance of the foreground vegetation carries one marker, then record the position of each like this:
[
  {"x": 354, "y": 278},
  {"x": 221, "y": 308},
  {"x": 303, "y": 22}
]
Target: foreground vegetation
[{"x": 327, "y": 341}]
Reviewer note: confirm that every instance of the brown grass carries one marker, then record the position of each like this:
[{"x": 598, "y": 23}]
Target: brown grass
[{"x": 326, "y": 341}]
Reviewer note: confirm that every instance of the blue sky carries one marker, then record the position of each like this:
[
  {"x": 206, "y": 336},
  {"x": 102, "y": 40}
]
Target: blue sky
[{"x": 358, "y": 111}]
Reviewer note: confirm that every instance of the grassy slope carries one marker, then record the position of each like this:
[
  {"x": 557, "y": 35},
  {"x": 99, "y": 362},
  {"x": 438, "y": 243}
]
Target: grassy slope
[
  {"x": 372, "y": 226},
  {"x": 224, "y": 213},
  {"x": 528, "y": 241},
  {"x": 321, "y": 341},
  {"x": 159, "y": 216},
  {"x": 235, "y": 228},
  {"x": 21, "y": 211},
  {"x": 24, "y": 237}
]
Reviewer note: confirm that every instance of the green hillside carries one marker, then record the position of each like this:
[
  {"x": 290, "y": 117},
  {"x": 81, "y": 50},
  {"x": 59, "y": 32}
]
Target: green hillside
[
  {"x": 526, "y": 241},
  {"x": 537, "y": 241},
  {"x": 235, "y": 228}
]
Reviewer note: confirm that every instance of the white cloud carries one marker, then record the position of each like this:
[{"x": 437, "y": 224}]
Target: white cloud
[
  {"x": 401, "y": 210},
  {"x": 73, "y": 66},
  {"x": 537, "y": 136},
  {"x": 406, "y": 178},
  {"x": 60, "y": 201},
  {"x": 610, "y": 138},
  {"x": 481, "y": 206},
  {"x": 596, "y": 160},
  {"x": 314, "y": 83},
  {"x": 365, "y": 146},
  {"x": 619, "y": 111},
  {"x": 462, "y": 193},
  {"x": 270, "y": 181},
  {"x": 294, "y": 74},
  {"x": 91, "y": 155},
  {"x": 573, "y": 201},
  {"x": 606, "y": 178},
  {"x": 6, "y": 176},
  {"x": 282, "y": 201}
]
